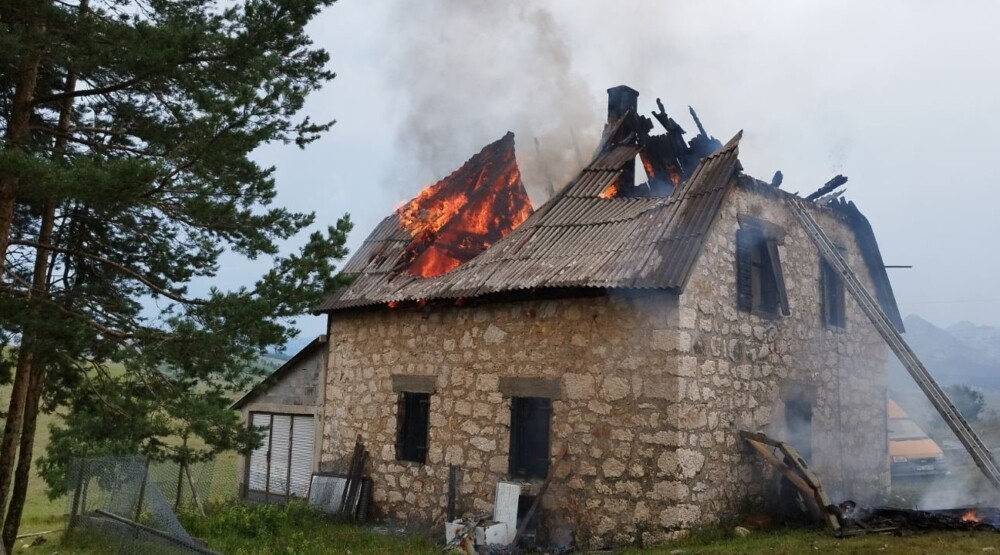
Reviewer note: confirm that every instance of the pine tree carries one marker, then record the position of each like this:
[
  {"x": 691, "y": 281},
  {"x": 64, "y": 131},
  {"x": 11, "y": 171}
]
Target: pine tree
[{"x": 125, "y": 174}]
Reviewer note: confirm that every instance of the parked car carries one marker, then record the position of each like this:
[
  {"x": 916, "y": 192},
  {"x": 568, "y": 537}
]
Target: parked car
[{"x": 911, "y": 452}]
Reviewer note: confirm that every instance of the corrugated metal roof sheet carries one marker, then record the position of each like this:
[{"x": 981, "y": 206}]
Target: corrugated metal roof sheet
[{"x": 576, "y": 239}]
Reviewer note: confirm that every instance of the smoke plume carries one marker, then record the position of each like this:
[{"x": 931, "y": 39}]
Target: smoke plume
[{"x": 467, "y": 71}]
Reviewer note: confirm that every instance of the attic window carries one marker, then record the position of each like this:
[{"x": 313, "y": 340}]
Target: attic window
[
  {"x": 412, "y": 423},
  {"x": 760, "y": 284},
  {"x": 832, "y": 296}
]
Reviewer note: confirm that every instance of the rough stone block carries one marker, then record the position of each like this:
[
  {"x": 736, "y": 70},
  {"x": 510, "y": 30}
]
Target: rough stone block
[{"x": 615, "y": 388}]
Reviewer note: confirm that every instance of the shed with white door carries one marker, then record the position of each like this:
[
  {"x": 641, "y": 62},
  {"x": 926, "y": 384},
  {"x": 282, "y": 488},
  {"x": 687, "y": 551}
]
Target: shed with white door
[{"x": 288, "y": 407}]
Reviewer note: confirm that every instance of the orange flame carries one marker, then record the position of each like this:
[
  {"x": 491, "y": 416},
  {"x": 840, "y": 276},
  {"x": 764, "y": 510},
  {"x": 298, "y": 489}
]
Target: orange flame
[
  {"x": 675, "y": 174},
  {"x": 611, "y": 191},
  {"x": 647, "y": 165},
  {"x": 970, "y": 516},
  {"x": 462, "y": 215}
]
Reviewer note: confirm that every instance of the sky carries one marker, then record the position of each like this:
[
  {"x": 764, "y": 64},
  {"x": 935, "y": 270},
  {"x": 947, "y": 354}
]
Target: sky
[{"x": 896, "y": 95}]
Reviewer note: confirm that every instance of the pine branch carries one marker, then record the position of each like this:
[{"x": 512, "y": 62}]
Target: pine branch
[{"x": 120, "y": 267}]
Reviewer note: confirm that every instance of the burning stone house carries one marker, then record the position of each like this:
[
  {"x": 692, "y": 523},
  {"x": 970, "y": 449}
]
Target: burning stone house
[{"x": 640, "y": 327}]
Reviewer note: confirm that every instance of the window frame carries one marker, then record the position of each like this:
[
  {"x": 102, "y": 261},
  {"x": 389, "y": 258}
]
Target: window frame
[
  {"x": 412, "y": 426},
  {"x": 760, "y": 282},
  {"x": 832, "y": 296},
  {"x": 518, "y": 466}
]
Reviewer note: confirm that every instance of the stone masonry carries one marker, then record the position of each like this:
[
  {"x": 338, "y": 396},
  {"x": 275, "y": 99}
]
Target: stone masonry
[{"x": 653, "y": 389}]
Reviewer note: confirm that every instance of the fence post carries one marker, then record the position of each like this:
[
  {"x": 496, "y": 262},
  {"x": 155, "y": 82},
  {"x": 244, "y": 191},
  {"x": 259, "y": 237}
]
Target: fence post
[
  {"x": 180, "y": 473},
  {"x": 142, "y": 490},
  {"x": 194, "y": 492}
]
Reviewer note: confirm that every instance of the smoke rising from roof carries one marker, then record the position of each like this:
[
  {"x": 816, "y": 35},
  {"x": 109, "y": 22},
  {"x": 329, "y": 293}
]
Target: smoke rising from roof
[{"x": 467, "y": 71}]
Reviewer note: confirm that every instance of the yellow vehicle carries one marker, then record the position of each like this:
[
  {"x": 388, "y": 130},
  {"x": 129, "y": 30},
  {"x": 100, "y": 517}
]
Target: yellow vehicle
[{"x": 911, "y": 452}]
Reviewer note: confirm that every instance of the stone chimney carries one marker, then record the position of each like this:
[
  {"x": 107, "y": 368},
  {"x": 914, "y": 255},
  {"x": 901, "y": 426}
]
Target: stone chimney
[{"x": 621, "y": 99}]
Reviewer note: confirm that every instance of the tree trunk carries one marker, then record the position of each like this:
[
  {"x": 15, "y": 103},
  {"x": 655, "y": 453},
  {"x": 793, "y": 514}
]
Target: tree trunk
[
  {"x": 15, "y": 417},
  {"x": 23, "y": 473},
  {"x": 17, "y": 131},
  {"x": 31, "y": 381},
  {"x": 32, "y": 378}
]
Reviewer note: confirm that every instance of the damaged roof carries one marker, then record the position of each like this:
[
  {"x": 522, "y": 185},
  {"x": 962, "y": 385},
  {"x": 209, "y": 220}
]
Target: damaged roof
[
  {"x": 584, "y": 237},
  {"x": 576, "y": 239}
]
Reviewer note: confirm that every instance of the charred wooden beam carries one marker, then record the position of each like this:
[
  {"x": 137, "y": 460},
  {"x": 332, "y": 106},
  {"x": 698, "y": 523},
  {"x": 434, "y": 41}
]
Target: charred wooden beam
[
  {"x": 674, "y": 132},
  {"x": 697, "y": 121},
  {"x": 837, "y": 181}
]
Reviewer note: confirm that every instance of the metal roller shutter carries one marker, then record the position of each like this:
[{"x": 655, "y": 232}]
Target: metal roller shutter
[
  {"x": 302, "y": 455},
  {"x": 257, "y": 474},
  {"x": 281, "y": 436}
]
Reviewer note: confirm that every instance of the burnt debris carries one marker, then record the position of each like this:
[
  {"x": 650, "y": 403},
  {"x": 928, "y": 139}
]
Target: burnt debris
[
  {"x": 837, "y": 181},
  {"x": 668, "y": 160}
]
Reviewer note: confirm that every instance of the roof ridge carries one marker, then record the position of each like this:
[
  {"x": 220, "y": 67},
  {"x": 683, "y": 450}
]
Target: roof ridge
[{"x": 733, "y": 143}]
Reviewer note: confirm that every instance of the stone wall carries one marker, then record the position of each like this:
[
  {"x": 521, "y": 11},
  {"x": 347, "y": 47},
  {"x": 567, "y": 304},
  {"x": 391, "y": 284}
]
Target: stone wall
[
  {"x": 653, "y": 390},
  {"x": 299, "y": 385},
  {"x": 747, "y": 366},
  {"x": 616, "y": 411}
]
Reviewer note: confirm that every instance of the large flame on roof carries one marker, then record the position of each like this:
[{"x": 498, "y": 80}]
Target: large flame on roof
[{"x": 460, "y": 216}]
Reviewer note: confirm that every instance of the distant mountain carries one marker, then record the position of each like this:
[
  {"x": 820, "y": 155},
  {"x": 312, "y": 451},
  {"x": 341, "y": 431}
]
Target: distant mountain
[
  {"x": 985, "y": 339},
  {"x": 963, "y": 354}
]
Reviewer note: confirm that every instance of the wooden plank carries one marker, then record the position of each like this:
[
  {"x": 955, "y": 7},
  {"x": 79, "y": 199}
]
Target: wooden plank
[
  {"x": 351, "y": 471},
  {"x": 794, "y": 478},
  {"x": 541, "y": 493},
  {"x": 794, "y": 468}
]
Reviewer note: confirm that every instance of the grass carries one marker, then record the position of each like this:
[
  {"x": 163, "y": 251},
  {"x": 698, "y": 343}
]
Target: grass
[
  {"x": 796, "y": 542},
  {"x": 265, "y": 530},
  {"x": 293, "y": 528}
]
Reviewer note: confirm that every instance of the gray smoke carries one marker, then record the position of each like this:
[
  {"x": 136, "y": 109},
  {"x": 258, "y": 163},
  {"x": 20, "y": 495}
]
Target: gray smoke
[{"x": 467, "y": 71}]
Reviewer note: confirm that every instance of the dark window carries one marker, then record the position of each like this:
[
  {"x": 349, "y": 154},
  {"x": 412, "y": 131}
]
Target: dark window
[
  {"x": 530, "y": 422},
  {"x": 832, "y": 288},
  {"x": 759, "y": 281},
  {"x": 412, "y": 423}
]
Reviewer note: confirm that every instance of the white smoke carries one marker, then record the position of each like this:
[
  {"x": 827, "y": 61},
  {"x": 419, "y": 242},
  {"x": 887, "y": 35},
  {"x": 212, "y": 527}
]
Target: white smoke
[{"x": 467, "y": 71}]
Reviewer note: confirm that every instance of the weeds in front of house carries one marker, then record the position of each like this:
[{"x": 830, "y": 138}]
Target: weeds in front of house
[{"x": 293, "y": 528}]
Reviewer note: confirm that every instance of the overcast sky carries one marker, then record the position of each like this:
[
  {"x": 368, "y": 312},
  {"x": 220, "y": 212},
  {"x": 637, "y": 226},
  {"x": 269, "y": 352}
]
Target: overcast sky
[{"x": 897, "y": 95}]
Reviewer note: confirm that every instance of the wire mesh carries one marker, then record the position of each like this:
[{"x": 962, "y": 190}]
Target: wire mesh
[{"x": 134, "y": 501}]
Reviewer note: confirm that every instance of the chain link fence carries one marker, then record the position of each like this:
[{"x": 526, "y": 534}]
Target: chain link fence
[{"x": 134, "y": 501}]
